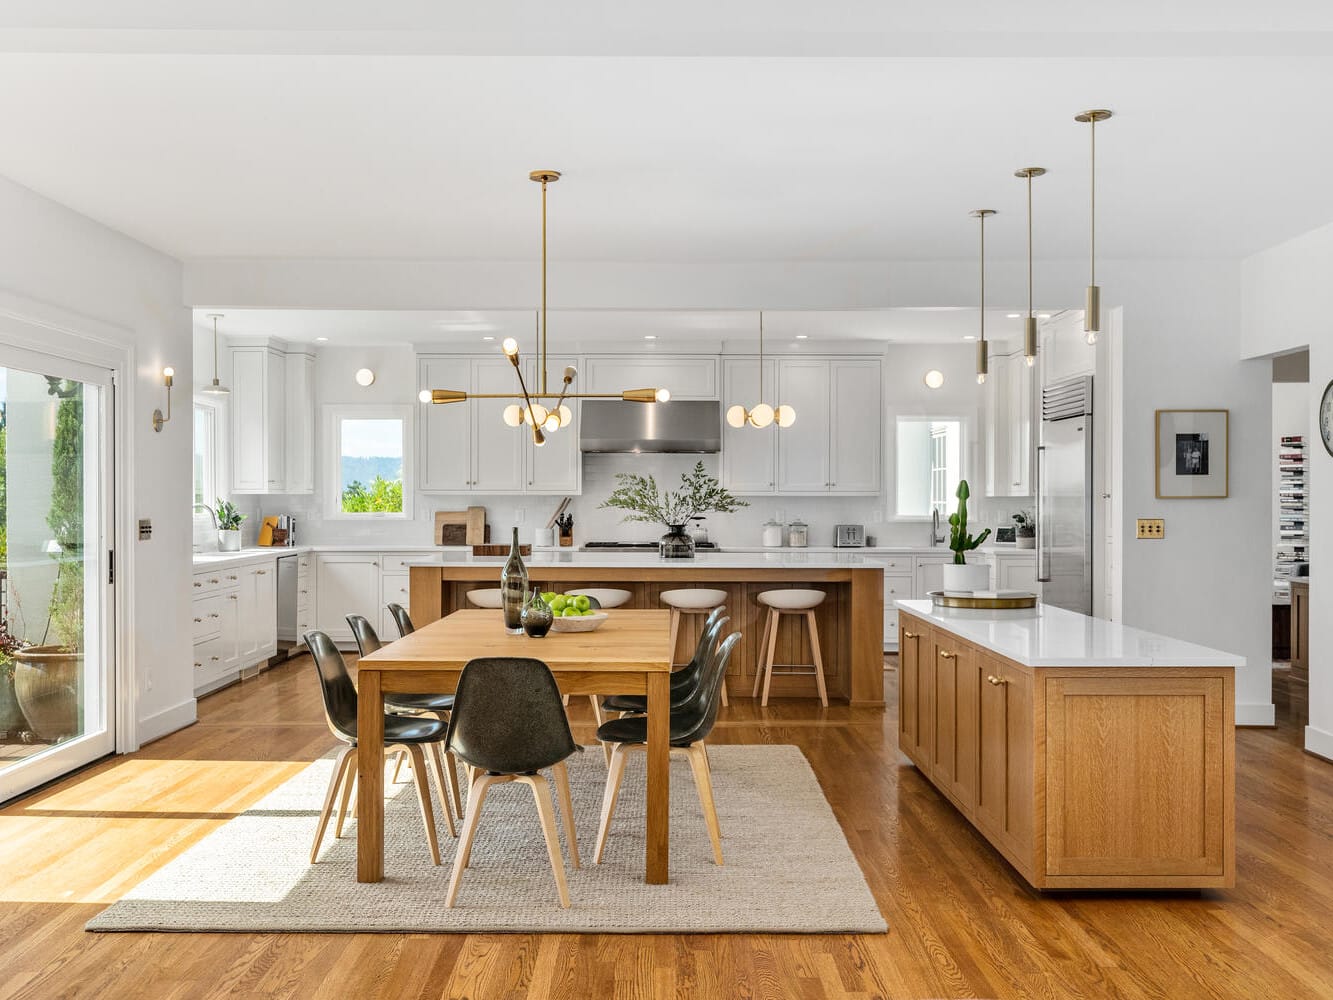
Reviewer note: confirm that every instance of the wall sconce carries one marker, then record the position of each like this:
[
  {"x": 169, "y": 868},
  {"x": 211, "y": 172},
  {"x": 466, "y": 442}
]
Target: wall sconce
[
  {"x": 933, "y": 378},
  {"x": 158, "y": 420},
  {"x": 365, "y": 377}
]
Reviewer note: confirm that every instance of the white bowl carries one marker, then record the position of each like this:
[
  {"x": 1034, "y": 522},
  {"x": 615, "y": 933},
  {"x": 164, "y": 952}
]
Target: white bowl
[{"x": 581, "y": 623}]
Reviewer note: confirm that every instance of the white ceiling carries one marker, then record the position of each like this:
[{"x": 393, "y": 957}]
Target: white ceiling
[{"x": 406, "y": 130}]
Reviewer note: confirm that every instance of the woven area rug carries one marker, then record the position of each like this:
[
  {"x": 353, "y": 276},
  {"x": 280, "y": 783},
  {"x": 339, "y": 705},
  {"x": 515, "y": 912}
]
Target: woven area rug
[{"x": 788, "y": 866}]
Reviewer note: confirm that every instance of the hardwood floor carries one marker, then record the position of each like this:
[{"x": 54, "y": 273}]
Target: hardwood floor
[{"x": 961, "y": 923}]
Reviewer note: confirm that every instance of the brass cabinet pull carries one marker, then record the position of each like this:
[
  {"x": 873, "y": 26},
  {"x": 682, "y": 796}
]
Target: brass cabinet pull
[
  {"x": 910, "y": 635},
  {"x": 197, "y": 583},
  {"x": 944, "y": 655},
  {"x": 214, "y": 580},
  {"x": 261, "y": 572},
  {"x": 198, "y": 620},
  {"x": 997, "y": 681}
]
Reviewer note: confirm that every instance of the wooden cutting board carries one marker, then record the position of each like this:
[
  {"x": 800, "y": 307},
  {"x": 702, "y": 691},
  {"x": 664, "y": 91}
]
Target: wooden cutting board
[{"x": 462, "y": 527}]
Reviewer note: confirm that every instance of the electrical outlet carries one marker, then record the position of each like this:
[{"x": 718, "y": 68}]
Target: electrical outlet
[
  {"x": 520, "y": 515},
  {"x": 1151, "y": 527},
  {"x": 145, "y": 529}
]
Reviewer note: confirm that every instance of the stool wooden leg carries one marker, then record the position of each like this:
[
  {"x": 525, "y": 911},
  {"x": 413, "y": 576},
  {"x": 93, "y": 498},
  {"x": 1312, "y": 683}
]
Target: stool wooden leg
[
  {"x": 774, "y": 620},
  {"x": 763, "y": 652},
  {"x": 675, "y": 630},
  {"x": 819, "y": 660}
]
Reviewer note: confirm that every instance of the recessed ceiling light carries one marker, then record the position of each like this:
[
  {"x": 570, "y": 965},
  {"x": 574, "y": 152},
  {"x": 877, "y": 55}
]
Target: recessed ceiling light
[
  {"x": 650, "y": 336},
  {"x": 322, "y": 340},
  {"x": 802, "y": 336}
]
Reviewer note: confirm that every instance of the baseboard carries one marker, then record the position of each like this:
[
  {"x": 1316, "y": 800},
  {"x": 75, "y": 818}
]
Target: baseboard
[
  {"x": 1256, "y": 714},
  {"x": 167, "y": 721},
  {"x": 1319, "y": 742}
]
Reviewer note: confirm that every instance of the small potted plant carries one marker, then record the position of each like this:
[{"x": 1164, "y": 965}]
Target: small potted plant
[
  {"x": 229, "y": 526},
  {"x": 1025, "y": 530},
  {"x": 12, "y": 719},
  {"x": 959, "y": 576},
  {"x": 700, "y": 494}
]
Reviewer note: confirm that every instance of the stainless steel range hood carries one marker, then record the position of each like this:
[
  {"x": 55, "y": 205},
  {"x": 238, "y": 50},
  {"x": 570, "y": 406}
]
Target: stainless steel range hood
[{"x": 683, "y": 427}]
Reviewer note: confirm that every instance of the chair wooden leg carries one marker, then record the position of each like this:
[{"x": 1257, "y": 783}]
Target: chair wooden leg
[
  {"x": 476, "y": 795},
  {"x": 614, "y": 773},
  {"x": 724, "y": 692},
  {"x": 567, "y": 809},
  {"x": 819, "y": 660},
  {"x": 541, "y": 793},
  {"x": 347, "y": 808},
  {"x": 598, "y": 715},
  {"x": 335, "y": 781},
  {"x": 398, "y": 759},
  {"x": 703, "y": 782},
  {"x": 763, "y": 652},
  {"x": 434, "y": 752},
  {"x": 675, "y": 631},
  {"x": 421, "y": 781},
  {"x": 451, "y": 771},
  {"x": 775, "y": 620}
]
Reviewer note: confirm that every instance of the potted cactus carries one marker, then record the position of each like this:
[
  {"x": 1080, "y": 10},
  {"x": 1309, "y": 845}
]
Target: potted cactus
[{"x": 959, "y": 576}]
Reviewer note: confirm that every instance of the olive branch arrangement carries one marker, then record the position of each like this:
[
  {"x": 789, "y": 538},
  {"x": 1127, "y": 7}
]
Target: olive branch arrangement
[{"x": 700, "y": 493}]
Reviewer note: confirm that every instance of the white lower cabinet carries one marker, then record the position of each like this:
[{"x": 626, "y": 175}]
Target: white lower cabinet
[
  {"x": 928, "y": 573},
  {"x": 346, "y": 584},
  {"x": 235, "y": 621},
  {"x": 394, "y": 589},
  {"x": 1014, "y": 571},
  {"x": 907, "y": 576}
]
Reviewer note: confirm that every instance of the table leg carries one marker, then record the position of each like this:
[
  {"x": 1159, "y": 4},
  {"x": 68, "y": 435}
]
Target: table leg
[
  {"x": 370, "y": 788},
  {"x": 659, "y": 777}
]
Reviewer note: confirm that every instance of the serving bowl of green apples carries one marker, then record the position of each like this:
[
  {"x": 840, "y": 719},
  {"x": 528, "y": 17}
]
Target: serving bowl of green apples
[{"x": 573, "y": 613}]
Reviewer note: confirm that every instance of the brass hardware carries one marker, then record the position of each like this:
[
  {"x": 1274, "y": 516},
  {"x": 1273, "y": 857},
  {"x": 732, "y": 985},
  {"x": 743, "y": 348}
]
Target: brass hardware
[
  {"x": 983, "y": 352},
  {"x": 214, "y": 615},
  {"x": 1151, "y": 527},
  {"x": 996, "y": 681},
  {"x": 197, "y": 663},
  {"x": 762, "y": 414},
  {"x": 945, "y": 655},
  {"x": 1030, "y": 323},
  {"x": 197, "y": 620},
  {"x": 168, "y": 376},
  {"x": 214, "y": 580},
  {"x": 261, "y": 572},
  {"x": 1092, "y": 311},
  {"x": 911, "y": 635},
  {"x": 943, "y": 600},
  {"x": 197, "y": 583}
]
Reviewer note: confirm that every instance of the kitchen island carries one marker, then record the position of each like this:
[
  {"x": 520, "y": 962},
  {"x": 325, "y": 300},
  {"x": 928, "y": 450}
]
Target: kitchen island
[
  {"x": 850, "y": 620},
  {"x": 1091, "y": 755}
]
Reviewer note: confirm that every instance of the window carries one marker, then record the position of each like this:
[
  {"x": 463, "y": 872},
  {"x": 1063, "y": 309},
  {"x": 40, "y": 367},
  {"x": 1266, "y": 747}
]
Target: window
[
  {"x": 205, "y": 455},
  {"x": 371, "y": 461},
  {"x": 929, "y": 465}
]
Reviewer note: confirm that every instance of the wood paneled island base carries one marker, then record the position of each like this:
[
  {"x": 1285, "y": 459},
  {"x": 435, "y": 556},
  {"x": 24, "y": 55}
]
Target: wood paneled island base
[
  {"x": 1083, "y": 776},
  {"x": 851, "y": 622}
]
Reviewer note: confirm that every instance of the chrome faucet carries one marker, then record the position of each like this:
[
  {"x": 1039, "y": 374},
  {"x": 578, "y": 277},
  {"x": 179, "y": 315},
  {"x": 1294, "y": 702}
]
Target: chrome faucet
[
  {"x": 211, "y": 513},
  {"x": 935, "y": 537}
]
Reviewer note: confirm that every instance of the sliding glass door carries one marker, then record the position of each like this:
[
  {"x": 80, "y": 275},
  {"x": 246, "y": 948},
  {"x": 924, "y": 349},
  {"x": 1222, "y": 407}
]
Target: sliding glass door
[{"x": 56, "y": 649}]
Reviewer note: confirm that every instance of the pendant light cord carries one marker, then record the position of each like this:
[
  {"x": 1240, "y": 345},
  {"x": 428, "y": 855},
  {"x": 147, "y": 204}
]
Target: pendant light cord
[
  {"x": 761, "y": 356},
  {"x": 1029, "y": 178},
  {"x": 1092, "y": 228},
  {"x": 215, "y": 349},
  {"x": 983, "y": 278},
  {"x": 543, "y": 345}
]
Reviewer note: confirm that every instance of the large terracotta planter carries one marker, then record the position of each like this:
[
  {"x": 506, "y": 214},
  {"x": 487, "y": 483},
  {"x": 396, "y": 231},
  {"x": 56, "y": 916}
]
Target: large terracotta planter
[{"x": 46, "y": 681}]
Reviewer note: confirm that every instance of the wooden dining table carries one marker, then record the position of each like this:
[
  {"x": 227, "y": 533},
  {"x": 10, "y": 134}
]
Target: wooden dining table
[{"x": 628, "y": 654}]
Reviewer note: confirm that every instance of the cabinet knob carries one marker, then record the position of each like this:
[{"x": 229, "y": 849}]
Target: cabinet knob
[
  {"x": 233, "y": 578},
  {"x": 213, "y": 615},
  {"x": 197, "y": 663},
  {"x": 215, "y": 658},
  {"x": 910, "y": 635},
  {"x": 261, "y": 572},
  {"x": 997, "y": 681},
  {"x": 215, "y": 580},
  {"x": 197, "y": 583},
  {"x": 305, "y": 591},
  {"x": 233, "y": 597},
  {"x": 945, "y": 655}
]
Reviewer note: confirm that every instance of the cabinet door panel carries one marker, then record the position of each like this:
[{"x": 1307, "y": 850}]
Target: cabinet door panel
[
  {"x": 497, "y": 448},
  {"x": 445, "y": 449},
  {"x": 556, "y": 466},
  {"x": 299, "y": 407},
  {"x": 929, "y": 575},
  {"x": 749, "y": 456},
  {"x": 275, "y": 421},
  {"x": 855, "y": 422},
  {"x": 346, "y": 585},
  {"x": 909, "y": 679},
  {"x": 684, "y": 377},
  {"x": 249, "y": 473},
  {"x": 265, "y": 611},
  {"x": 1005, "y": 781},
  {"x": 803, "y": 452},
  {"x": 1019, "y": 446},
  {"x": 1016, "y": 574}
]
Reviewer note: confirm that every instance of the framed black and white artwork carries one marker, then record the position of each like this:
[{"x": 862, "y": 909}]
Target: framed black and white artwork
[{"x": 1192, "y": 454}]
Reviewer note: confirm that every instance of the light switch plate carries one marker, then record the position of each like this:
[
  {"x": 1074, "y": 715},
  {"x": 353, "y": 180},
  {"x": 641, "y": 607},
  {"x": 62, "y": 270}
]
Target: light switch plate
[
  {"x": 1152, "y": 527},
  {"x": 145, "y": 529}
]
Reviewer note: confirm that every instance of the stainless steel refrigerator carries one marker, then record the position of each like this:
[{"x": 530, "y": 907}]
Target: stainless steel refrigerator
[{"x": 1064, "y": 495}]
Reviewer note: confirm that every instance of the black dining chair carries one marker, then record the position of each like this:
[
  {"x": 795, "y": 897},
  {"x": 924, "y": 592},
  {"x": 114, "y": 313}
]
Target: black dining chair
[
  {"x": 690, "y": 725},
  {"x": 402, "y": 619},
  {"x": 683, "y": 680},
  {"x": 438, "y": 705},
  {"x": 410, "y": 733},
  {"x": 508, "y": 724}
]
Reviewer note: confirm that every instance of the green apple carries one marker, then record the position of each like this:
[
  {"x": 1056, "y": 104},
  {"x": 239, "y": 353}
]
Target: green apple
[
  {"x": 588, "y": 611},
  {"x": 582, "y": 603},
  {"x": 570, "y": 613},
  {"x": 558, "y": 603}
]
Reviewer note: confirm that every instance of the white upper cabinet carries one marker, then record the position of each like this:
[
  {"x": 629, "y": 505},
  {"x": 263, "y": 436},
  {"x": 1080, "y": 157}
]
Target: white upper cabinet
[
  {"x": 803, "y": 448},
  {"x": 497, "y": 448},
  {"x": 749, "y": 456},
  {"x": 1008, "y": 432},
  {"x": 557, "y": 466},
  {"x": 300, "y": 425},
  {"x": 855, "y": 426},
  {"x": 258, "y": 420},
  {"x": 684, "y": 377},
  {"x": 1065, "y": 351},
  {"x": 444, "y": 457}
]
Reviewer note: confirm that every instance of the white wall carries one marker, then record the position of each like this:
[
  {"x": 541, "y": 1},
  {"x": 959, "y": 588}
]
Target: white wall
[
  {"x": 1284, "y": 293},
  {"x": 55, "y": 256}
]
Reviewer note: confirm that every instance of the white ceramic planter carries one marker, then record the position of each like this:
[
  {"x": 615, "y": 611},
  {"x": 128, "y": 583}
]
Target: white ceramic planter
[
  {"x": 966, "y": 578},
  {"x": 229, "y": 541},
  {"x": 1025, "y": 541}
]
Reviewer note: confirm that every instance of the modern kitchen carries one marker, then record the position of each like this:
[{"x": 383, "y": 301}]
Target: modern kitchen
[{"x": 878, "y": 535}]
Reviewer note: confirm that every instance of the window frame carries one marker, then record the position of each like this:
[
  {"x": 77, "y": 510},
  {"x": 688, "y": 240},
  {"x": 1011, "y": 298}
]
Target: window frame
[
  {"x": 213, "y": 462},
  {"x": 964, "y": 454},
  {"x": 334, "y": 416}
]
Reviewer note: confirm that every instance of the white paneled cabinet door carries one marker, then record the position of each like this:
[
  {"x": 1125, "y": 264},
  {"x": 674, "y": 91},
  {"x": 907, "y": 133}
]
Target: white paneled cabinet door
[
  {"x": 854, "y": 445},
  {"x": 749, "y": 456},
  {"x": 683, "y": 377},
  {"x": 346, "y": 584},
  {"x": 445, "y": 457},
  {"x": 497, "y": 448},
  {"x": 300, "y": 416},
  {"x": 275, "y": 420},
  {"x": 555, "y": 467},
  {"x": 1018, "y": 379},
  {"x": 803, "y": 448},
  {"x": 249, "y": 472},
  {"x": 997, "y": 434}
]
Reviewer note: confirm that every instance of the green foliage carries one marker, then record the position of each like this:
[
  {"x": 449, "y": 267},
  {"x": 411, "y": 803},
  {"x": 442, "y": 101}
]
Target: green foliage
[
  {"x": 9, "y": 645},
  {"x": 700, "y": 493},
  {"x": 1026, "y": 523},
  {"x": 65, "y": 517},
  {"x": 959, "y": 540},
  {"x": 67, "y": 603},
  {"x": 383, "y": 496},
  {"x": 229, "y": 518},
  {"x": 4, "y": 491}
]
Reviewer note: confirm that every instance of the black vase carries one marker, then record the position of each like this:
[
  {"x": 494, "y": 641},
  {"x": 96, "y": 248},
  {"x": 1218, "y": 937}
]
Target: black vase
[{"x": 675, "y": 544}]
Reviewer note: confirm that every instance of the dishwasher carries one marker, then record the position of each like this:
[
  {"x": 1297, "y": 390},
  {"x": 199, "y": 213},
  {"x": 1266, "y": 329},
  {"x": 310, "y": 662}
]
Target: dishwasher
[{"x": 288, "y": 641}]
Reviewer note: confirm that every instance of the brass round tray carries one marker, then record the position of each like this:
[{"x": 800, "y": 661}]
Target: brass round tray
[{"x": 943, "y": 600}]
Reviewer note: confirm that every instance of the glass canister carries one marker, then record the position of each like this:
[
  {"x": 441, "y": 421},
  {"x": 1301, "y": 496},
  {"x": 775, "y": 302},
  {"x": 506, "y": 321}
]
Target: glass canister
[
  {"x": 773, "y": 535},
  {"x": 798, "y": 534}
]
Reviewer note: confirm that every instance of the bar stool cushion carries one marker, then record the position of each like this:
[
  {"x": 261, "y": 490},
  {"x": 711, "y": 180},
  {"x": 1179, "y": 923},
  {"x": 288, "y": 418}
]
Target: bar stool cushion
[
  {"x": 490, "y": 598},
  {"x": 607, "y": 597},
  {"x": 792, "y": 599},
  {"x": 694, "y": 598}
]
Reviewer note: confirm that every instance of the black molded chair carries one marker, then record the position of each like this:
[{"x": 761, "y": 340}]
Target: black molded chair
[
  {"x": 438, "y": 705},
  {"x": 402, "y": 620},
  {"x": 415, "y": 735},
  {"x": 508, "y": 723},
  {"x": 684, "y": 680},
  {"x": 690, "y": 725}
]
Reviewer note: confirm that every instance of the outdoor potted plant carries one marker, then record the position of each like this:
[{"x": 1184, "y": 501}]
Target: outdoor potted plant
[
  {"x": 959, "y": 576},
  {"x": 1025, "y": 530},
  {"x": 700, "y": 493},
  {"x": 229, "y": 526},
  {"x": 12, "y": 719}
]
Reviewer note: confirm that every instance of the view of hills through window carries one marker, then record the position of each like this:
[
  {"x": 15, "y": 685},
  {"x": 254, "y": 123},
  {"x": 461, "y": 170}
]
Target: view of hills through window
[{"x": 371, "y": 463}]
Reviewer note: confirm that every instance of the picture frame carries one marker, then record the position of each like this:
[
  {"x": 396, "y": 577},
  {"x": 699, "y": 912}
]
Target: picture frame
[{"x": 1193, "y": 450}]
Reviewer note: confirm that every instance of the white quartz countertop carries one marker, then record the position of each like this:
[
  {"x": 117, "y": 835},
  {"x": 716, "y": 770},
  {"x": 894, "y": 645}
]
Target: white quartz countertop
[
  {"x": 772, "y": 559},
  {"x": 1053, "y": 637}
]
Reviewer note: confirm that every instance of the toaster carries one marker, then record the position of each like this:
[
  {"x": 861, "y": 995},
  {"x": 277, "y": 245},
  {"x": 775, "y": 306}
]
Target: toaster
[{"x": 849, "y": 536}]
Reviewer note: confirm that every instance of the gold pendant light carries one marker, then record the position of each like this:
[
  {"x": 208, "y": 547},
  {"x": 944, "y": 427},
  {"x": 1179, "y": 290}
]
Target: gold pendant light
[
  {"x": 983, "y": 350},
  {"x": 1030, "y": 321},
  {"x": 531, "y": 411},
  {"x": 761, "y": 414},
  {"x": 1092, "y": 307},
  {"x": 215, "y": 388}
]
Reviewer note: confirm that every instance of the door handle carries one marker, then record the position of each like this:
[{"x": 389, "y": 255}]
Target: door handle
[{"x": 1043, "y": 536}]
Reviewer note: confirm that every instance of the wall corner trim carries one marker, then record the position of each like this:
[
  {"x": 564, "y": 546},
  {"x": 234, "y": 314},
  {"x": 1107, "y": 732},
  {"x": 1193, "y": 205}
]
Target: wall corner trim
[{"x": 167, "y": 721}]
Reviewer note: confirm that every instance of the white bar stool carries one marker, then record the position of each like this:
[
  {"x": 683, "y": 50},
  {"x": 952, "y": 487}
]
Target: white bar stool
[
  {"x": 692, "y": 601},
  {"x": 487, "y": 598},
  {"x": 789, "y": 602}
]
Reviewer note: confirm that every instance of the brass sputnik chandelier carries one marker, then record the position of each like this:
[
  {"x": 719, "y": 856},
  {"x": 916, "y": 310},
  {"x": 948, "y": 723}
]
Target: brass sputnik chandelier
[
  {"x": 983, "y": 349},
  {"x": 528, "y": 408},
  {"x": 761, "y": 414},
  {"x": 1092, "y": 308}
]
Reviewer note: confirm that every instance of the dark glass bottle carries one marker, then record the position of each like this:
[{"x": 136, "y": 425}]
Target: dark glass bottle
[
  {"x": 513, "y": 589},
  {"x": 537, "y": 617}
]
